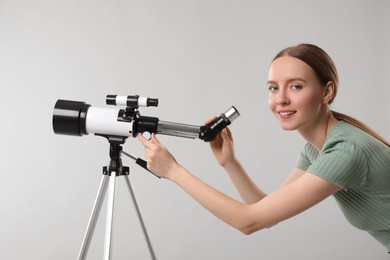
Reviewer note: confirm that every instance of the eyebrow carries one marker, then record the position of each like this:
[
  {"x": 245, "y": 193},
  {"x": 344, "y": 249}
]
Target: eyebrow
[{"x": 288, "y": 81}]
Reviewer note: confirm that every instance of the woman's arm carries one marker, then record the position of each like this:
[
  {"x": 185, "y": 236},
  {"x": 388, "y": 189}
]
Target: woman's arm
[
  {"x": 248, "y": 190},
  {"x": 245, "y": 186},
  {"x": 280, "y": 205},
  {"x": 223, "y": 149},
  {"x": 289, "y": 200},
  {"x": 296, "y": 173}
]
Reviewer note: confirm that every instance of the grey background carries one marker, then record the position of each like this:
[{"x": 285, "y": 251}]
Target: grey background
[{"x": 198, "y": 58}]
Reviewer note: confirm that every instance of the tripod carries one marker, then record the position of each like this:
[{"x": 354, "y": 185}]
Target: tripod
[{"x": 108, "y": 180}]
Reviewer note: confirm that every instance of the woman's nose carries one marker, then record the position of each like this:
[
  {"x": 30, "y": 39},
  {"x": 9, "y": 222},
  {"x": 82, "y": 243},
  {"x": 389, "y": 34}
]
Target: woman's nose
[{"x": 282, "y": 98}]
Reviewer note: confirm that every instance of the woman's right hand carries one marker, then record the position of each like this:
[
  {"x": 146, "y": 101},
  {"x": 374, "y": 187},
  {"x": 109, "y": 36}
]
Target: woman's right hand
[
  {"x": 159, "y": 160},
  {"x": 223, "y": 146}
]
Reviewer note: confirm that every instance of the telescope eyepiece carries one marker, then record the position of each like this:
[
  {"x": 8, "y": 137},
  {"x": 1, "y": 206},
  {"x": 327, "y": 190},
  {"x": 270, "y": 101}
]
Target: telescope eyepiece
[
  {"x": 152, "y": 102},
  {"x": 209, "y": 132}
]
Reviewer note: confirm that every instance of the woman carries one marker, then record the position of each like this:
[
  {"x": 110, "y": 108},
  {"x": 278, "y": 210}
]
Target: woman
[{"x": 342, "y": 156}]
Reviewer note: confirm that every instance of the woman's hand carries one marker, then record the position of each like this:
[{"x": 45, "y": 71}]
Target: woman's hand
[
  {"x": 223, "y": 146},
  {"x": 159, "y": 160}
]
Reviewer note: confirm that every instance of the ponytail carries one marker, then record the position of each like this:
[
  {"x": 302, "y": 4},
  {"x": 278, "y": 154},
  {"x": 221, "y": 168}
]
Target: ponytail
[{"x": 358, "y": 124}]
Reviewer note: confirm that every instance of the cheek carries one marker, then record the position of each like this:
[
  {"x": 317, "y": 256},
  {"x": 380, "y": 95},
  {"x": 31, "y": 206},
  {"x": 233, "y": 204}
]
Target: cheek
[
  {"x": 271, "y": 103},
  {"x": 310, "y": 103}
]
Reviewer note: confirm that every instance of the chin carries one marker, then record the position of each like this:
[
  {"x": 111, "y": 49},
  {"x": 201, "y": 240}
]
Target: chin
[{"x": 288, "y": 127}]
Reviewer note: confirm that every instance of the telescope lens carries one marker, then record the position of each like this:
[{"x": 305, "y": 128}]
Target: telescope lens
[{"x": 69, "y": 117}]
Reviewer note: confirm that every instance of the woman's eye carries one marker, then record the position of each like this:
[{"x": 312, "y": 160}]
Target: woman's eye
[
  {"x": 296, "y": 86},
  {"x": 272, "y": 88}
]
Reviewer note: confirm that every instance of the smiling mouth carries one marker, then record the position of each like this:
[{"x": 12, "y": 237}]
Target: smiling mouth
[{"x": 286, "y": 113}]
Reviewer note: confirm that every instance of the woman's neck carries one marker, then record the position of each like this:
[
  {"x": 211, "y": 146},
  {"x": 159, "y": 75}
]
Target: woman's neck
[{"x": 316, "y": 134}]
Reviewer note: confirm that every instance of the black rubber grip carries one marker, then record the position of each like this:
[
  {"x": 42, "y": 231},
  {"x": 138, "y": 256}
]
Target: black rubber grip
[{"x": 144, "y": 165}]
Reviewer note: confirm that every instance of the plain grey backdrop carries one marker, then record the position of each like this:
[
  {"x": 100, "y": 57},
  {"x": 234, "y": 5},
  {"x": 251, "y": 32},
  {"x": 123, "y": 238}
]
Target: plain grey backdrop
[{"x": 198, "y": 57}]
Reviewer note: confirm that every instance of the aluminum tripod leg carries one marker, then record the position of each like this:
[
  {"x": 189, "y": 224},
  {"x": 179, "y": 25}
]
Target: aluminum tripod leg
[
  {"x": 93, "y": 218},
  {"x": 95, "y": 214},
  {"x": 110, "y": 217},
  {"x": 148, "y": 242},
  {"x": 110, "y": 183}
]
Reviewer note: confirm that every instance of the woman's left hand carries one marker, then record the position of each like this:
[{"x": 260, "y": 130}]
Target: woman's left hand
[{"x": 159, "y": 160}]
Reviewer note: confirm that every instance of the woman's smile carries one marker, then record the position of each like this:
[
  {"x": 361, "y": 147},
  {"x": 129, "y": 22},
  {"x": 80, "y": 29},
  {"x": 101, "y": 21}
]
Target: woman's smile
[{"x": 286, "y": 114}]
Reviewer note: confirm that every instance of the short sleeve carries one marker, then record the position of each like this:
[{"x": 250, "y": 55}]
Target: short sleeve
[
  {"x": 342, "y": 163},
  {"x": 304, "y": 161}
]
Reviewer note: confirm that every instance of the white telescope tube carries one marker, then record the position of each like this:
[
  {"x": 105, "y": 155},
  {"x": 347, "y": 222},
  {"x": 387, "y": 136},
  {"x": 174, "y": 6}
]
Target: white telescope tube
[{"x": 105, "y": 121}]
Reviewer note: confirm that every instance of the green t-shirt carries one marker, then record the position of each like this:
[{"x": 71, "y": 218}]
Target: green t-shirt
[{"x": 356, "y": 161}]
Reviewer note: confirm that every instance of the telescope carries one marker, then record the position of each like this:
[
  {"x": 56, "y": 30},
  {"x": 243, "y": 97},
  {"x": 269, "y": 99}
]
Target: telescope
[
  {"x": 117, "y": 124},
  {"x": 79, "y": 118}
]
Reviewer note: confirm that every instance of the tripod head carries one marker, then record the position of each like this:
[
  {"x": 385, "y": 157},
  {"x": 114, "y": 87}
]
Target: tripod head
[{"x": 115, "y": 165}]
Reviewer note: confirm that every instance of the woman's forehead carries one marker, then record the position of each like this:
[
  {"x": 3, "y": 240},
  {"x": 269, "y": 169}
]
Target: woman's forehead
[{"x": 287, "y": 67}]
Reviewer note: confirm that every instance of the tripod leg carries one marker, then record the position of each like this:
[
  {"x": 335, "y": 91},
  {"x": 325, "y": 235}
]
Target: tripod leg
[
  {"x": 110, "y": 216},
  {"x": 148, "y": 242},
  {"x": 93, "y": 218}
]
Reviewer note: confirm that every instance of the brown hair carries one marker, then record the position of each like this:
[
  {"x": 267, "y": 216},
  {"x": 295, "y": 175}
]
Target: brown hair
[{"x": 326, "y": 71}]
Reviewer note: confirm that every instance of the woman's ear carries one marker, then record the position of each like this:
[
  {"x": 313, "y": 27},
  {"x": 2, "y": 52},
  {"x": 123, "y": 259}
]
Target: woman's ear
[{"x": 329, "y": 92}]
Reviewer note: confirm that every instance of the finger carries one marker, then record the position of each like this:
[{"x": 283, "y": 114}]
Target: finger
[
  {"x": 226, "y": 137},
  {"x": 210, "y": 120},
  {"x": 144, "y": 141},
  {"x": 154, "y": 139},
  {"x": 217, "y": 142},
  {"x": 229, "y": 133}
]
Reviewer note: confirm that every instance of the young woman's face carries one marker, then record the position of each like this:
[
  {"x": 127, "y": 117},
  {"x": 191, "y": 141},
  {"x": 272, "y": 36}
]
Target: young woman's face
[{"x": 295, "y": 94}]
